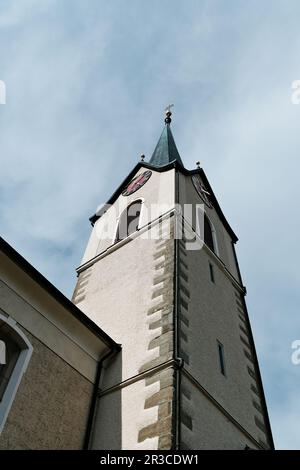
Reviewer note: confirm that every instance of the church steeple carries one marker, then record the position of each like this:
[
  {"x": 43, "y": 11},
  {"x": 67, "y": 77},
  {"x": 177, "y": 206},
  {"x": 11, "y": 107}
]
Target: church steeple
[
  {"x": 188, "y": 376},
  {"x": 166, "y": 151}
]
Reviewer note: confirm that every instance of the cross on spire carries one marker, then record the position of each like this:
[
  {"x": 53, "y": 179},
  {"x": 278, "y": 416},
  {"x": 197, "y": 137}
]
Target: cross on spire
[
  {"x": 168, "y": 108},
  {"x": 168, "y": 113}
]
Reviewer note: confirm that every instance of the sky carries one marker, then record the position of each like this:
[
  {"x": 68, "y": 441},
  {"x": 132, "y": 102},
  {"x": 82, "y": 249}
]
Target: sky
[{"x": 86, "y": 86}]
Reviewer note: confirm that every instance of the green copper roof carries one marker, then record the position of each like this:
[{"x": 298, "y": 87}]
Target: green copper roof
[{"x": 165, "y": 151}]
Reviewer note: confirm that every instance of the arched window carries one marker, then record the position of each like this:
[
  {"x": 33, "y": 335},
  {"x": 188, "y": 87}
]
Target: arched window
[
  {"x": 206, "y": 231},
  {"x": 15, "y": 353},
  {"x": 129, "y": 220}
]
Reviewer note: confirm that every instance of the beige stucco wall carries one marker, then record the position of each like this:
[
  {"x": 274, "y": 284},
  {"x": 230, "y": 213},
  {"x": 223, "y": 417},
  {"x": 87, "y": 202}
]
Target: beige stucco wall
[
  {"x": 51, "y": 406},
  {"x": 35, "y": 309}
]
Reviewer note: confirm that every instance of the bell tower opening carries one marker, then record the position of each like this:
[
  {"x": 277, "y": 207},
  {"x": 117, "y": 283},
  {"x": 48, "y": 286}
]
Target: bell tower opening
[{"x": 129, "y": 220}]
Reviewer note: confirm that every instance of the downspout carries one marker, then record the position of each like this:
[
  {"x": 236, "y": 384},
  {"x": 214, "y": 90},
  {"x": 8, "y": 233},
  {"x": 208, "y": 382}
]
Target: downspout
[
  {"x": 178, "y": 361},
  {"x": 115, "y": 349}
]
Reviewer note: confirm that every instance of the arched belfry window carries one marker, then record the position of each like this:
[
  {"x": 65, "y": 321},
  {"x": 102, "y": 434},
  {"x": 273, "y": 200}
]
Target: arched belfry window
[
  {"x": 208, "y": 234},
  {"x": 129, "y": 220}
]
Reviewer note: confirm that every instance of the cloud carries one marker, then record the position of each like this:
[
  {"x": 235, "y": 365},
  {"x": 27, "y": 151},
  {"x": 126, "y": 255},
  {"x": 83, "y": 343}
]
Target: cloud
[{"x": 285, "y": 418}]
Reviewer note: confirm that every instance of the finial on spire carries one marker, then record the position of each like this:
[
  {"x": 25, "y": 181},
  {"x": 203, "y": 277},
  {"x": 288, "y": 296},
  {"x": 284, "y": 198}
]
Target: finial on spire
[
  {"x": 198, "y": 165},
  {"x": 168, "y": 113},
  {"x": 166, "y": 151},
  {"x": 142, "y": 158}
]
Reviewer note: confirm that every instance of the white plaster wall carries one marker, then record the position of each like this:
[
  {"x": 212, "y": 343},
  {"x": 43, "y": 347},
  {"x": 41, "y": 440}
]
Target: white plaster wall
[
  {"x": 92, "y": 245},
  {"x": 136, "y": 416},
  {"x": 117, "y": 298},
  {"x": 121, "y": 415}
]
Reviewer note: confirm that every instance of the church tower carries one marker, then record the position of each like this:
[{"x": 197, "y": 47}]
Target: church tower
[{"x": 161, "y": 277}]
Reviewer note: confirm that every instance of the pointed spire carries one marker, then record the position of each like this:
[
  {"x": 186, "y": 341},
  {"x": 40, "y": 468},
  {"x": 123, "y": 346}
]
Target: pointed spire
[{"x": 166, "y": 151}]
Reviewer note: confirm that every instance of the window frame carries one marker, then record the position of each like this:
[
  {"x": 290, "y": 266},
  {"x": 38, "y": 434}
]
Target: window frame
[
  {"x": 139, "y": 199},
  {"x": 202, "y": 213},
  {"x": 19, "y": 369}
]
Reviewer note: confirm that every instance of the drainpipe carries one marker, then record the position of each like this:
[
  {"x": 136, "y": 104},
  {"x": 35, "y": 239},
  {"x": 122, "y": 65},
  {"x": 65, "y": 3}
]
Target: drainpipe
[
  {"x": 115, "y": 349},
  {"x": 178, "y": 360}
]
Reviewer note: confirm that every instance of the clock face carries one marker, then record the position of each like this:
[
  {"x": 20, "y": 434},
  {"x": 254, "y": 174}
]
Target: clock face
[
  {"x": 201, "y": 190},
  {"x": 137, "y": 183}
]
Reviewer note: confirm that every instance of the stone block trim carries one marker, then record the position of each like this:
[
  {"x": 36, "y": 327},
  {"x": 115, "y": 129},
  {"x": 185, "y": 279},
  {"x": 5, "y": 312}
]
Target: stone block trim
[
  {"x": 260, "y": 424},
  {"x": 82, "y": 283},
  {"x": 186, "y": 420},
  {"x": 162, "y": 298},
  {"x": 186, "y": 392},
  {"x": 250, "y": 364},
  {"x": 164, "y": 400},
  {"x": 257, "y": 406},
  {"x": 248, "y": 356},
  {"x": 184, "y": 296},
  {"x": 254, "y": 390},
  {"x": 160, "y": 428},
  {"x": 245, "y": 342},
  {"x": 183, "y": 302},
  {"x": 186, "y": 405},
  {"x": 163, "y": 397}
]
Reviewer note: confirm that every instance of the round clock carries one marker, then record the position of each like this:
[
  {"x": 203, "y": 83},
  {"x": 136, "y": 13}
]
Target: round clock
[
  {"x": 201, "y": 190},
  {"x": 137, "y": 183}
]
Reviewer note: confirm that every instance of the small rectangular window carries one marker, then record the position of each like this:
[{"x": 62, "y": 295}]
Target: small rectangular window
[
  {"x": 212, "y": 274},
  {"x": 221, "y": 358}
]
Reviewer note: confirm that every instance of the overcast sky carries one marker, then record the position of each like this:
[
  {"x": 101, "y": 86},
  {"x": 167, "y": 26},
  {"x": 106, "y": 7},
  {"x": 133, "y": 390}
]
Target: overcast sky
[{"x": 87, "y": 82}]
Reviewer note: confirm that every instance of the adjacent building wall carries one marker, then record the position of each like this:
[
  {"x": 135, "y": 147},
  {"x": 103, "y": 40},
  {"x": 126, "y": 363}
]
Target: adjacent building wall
[
  {"x": 51, "y": 406},
  {"x": 52, "y": 403}
]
